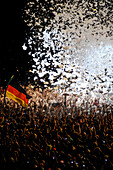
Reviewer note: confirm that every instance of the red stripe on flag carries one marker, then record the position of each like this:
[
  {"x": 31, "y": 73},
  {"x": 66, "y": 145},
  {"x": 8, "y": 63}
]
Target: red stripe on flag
[{"x": 17, "y": 93}]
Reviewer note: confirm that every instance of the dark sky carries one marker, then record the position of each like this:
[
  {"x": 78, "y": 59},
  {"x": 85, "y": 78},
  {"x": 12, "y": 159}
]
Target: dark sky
[{"x": 13, "y": 59}]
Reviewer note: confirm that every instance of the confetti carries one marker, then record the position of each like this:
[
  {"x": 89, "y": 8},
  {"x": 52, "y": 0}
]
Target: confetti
[{"x": 72, "y": 43}]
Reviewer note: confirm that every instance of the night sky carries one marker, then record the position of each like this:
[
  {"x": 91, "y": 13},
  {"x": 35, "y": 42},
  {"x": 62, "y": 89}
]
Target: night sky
[
  {"x": 58, "y": 42},
  {"x": 14, "y": 60}
]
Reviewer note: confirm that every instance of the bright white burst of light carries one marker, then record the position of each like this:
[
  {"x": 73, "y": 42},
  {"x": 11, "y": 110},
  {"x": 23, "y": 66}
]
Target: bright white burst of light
[
  {"x": 83, "y": 48},
  {"x": 91, "y": 58}
]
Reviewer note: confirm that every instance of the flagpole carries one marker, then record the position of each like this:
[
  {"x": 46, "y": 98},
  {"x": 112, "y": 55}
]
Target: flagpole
[{"x": 6, "y": 89}]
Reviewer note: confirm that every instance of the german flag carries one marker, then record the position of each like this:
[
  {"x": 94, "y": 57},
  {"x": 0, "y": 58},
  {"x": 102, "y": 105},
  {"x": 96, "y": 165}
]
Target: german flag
[{"x": 15, "y": 92}]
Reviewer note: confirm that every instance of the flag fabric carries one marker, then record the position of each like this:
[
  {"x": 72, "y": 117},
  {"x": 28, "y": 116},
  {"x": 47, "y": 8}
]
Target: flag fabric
[{"x": 15, "y": 92}]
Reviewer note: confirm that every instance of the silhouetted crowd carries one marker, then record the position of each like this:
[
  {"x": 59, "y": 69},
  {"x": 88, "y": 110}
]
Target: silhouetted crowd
[{"x": 32, "y": 138}]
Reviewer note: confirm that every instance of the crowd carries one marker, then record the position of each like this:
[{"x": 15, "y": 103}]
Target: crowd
[{"x": 49, "y": 137}]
